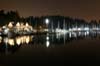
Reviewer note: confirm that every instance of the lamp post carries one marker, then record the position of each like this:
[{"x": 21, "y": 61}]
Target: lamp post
[{"x": 47, "y": 22}]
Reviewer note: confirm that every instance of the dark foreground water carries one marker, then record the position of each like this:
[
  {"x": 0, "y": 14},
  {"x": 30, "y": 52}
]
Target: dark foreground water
[{"x": 59, "y": 49}]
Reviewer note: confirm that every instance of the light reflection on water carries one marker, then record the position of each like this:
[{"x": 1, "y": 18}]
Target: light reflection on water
[{"x": 13, "y": 44}]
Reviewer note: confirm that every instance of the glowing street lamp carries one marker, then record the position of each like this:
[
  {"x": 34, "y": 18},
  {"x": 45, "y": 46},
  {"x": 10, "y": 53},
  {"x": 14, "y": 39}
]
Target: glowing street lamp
[{"x": 47, "y": 21}]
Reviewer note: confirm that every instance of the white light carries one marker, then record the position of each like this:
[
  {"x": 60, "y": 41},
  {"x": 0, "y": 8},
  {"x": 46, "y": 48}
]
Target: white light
[
  {"x": 79, "y": 29},
  {"x": 64, "y": 31},
  {"x": 47, "y": 38},
  {"x": 70, "y": 35},
  {"x": 86, "y": 28},
  {"x": 47, "y": 21},
  {"x": 70, "y": 29},
  {"x": 47, "y": 43},
  {"x": 6, "y": 31},
  {"x": 87, "y": 32}
]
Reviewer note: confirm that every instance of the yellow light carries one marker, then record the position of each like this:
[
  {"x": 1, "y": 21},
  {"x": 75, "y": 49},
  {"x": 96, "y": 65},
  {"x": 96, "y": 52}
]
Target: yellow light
[
  {"x": 27, "y": 24},
  {"x": 11, "y": 42},
  {"x": 0, "y": 39},
  {"x": 18, "y": 41},
  {"x": 27, "y": 39},
  {"x": 18, "y": 24},
  {"x": 10, "y": 25}
]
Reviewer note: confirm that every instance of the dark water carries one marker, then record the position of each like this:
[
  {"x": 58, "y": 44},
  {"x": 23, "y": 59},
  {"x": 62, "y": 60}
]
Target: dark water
[{"x": 71, "y": 48}]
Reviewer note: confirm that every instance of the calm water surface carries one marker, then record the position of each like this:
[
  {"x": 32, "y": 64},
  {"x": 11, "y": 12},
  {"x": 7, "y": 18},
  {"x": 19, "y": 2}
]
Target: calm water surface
[{"x": 70, "y": 48}]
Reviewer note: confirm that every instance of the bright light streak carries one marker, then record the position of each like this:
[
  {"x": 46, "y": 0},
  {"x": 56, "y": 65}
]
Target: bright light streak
[
  {"x": 70, "y": 35},
  {"x": 18, "y": 41},
  {"x": 47, "y": 43},
  {"x": 27, "y": 39}
]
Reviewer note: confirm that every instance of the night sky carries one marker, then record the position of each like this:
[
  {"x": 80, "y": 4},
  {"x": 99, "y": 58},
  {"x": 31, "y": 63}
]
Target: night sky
[{"x": 86, "y": 9}]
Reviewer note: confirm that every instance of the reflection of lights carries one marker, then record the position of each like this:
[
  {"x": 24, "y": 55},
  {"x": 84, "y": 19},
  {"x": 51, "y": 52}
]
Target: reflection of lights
[
  {"x": 18, "y": 41},
  {"x": 23, "y": 39},
  {"x": 74, "y": 34},
  {"x": 6, "y": 40},
  {"x": 11, "y": 42},
  {"x": 47, "y": 38},
  {"x": 27, "y": 39},
  {"x": 27, "y": 24},
  {"x": 70, "y": 35},
  {"x": 47, "y": 43},
  {"x": 0, "y": 39},
  {"x": 79, "y": 33},
  {"x": 47, "y": 21},
  {"x": 87, "y": 32},
  {"x": 58, "y": 35}
]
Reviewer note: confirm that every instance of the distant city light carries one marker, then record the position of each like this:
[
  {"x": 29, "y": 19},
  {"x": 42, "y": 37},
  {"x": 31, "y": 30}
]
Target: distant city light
[
  {"x": 47, "y": 21},
  {"x": 86, "y": 28},
  {"x": 10, "y": 25},
  {"x": 18, "y": 24},
  {"x": 47, "y": 38},
  {"x": 6, "y": 31}
]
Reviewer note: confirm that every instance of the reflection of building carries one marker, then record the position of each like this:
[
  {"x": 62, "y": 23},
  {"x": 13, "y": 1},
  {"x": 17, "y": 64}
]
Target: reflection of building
[
  {"x": 18, "y": 40},
  {"x": 9, "y": 45}
]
